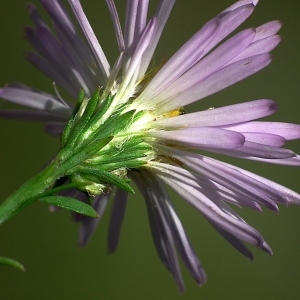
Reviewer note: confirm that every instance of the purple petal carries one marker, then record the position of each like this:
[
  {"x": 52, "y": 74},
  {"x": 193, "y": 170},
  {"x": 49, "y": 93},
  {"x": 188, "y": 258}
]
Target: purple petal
[
  {"x": 235, "y": 242},
  {"x": 208, "y": 65},
  {"x": 239, "y": 4},
  {"x": 47, "y": 45},
  {"x": 188, "y": 181},
  {"x": 135, "y": 23},
  {"x": 286, "y": 193},
  {"x": 29, "y": 97},
  {"x": 267, "y": 29},
  {"x": 211, "y": 211},
  {"x": 30, "y": 115},
  {"x": 116, "y": 219},
  {"x": 162, "y": 14},
  {"x": 267, "y": 139},
  {"x": 50, "y": 70},
  {"x": 183, "y": 245},
  {"x": 221, "y": 79},
  {"x": 263, "y": 151},
  {"x": 160, "y": 229},
  {"x": 116, "y": 24},
  {"x": 187, "y": 56},
  {"x": 211, "y": 189},
  {"x": 293, "y": 161},
  {"x": 91, "y": 38},
  {"x": 231, "y": 19},
  {"x": 133, "y": 70},
  {"x": 88, "y": 225},
  {"x": 226, "y": 115},
  {"x": 202, "y": 137},
  {"x": 259, "y": 47},
  {"x": 78, "y": 51},
  {"x": 286, "y": 130},
  {"x": 248, "y": 183},
  {"x": 227, "y": 177}
]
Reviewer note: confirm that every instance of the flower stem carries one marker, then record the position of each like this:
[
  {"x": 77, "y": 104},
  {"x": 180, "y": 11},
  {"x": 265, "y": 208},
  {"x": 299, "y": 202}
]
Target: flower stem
[{"x": 28, "y": 192}]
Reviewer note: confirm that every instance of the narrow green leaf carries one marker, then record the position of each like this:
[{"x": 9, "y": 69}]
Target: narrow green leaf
[
  {"x": 5, "y": 261},
  {"x": 71, "y": 204}
]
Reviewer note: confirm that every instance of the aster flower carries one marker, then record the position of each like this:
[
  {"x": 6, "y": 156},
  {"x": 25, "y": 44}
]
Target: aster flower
[{"x": 128, "y": 125}]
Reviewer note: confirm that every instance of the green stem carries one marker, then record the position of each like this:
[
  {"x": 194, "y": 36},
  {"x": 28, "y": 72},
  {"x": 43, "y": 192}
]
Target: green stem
[{"x": 28, "y": 192}]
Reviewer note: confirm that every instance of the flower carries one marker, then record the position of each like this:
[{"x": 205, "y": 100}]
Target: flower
[{"x": 131, "y": 118}]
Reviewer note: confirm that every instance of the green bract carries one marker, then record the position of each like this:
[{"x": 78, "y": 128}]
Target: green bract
[{"x": 100, "y": 143}]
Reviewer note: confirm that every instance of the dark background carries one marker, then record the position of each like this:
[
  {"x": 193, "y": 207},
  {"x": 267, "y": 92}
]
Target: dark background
[{"x": 47, "y": 243}]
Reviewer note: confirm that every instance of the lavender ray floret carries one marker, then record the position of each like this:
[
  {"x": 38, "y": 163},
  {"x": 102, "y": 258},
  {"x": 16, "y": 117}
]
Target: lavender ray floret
[
  {"x": 286, "y": 130},
  {"x": 26, "y": 96},
  {"x": 216, "y": 82},
  {"x": 52, "y": 72},
  {"x": 69, "y": 38},
  {"x": 135, "y": 23},
  {"x": 267, "y": 30},
  {"x": 211, "y": 189},
  {"x": 116, "y": 24},
  {"x": 223, "y": 116},
  {"x": 207, "y": 66},
  {"x": 187, "y": 56},
  {"x": 30, "y": 115},
  {"x": 136, "y": 57},
  {"x": 202, "y": 137},
  {"x": 211, "y": 211},
  {"x": 268, "y": 139},
  {"x": 233, "y": 241},
  {"x": 116, "y": 219},
  {"x": 88, "y": 225},
  {"x": 233, "y": 181},
  {"x": 162, "y": 14},
  {"x": 91, "y": 38},
  {"x": 182, "y": 242},
  {"x": 162, "y": 233}
]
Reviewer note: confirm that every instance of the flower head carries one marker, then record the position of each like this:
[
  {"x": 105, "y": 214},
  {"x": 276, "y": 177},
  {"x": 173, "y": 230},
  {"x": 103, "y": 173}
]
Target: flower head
[{"x": 129, "y": 123}]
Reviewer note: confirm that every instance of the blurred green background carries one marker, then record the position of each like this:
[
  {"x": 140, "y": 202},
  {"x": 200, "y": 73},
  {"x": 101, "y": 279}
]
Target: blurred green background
[{"x": 47, "y": 242}]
